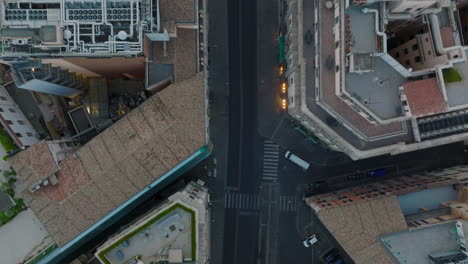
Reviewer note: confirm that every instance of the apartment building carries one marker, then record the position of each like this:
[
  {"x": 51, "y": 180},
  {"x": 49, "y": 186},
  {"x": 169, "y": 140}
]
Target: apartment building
[
  {"x": 15, "y": 122},
  {"x": 418, "y": 218},
  {"x": 397, "y": 86}
]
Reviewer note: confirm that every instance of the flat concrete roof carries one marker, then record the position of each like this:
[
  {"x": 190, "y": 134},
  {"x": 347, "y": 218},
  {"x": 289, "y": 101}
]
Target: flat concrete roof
[
  {"x": 361, "y": 41},
  {"x": 415, "y": 246},
  {"x": 457, "y": 92},
  {"x": 377, "y": 89},
  {"x": 121, "y": 161}
]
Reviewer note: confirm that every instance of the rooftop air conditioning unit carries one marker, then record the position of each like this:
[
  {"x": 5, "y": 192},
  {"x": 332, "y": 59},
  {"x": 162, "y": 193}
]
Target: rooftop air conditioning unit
[{"x": 20, "y": 41}]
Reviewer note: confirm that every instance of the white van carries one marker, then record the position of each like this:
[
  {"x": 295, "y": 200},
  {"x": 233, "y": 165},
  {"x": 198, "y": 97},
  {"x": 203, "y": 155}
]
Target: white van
[{"x": 300, "y": 162}]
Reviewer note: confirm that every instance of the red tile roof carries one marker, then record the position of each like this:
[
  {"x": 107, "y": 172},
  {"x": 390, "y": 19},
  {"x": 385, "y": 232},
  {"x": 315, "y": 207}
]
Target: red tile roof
[
  {"x": 35, "y": 164},
  {"x": 116, "y": 164},
  {"x": 425, "y": 97},
  {"x": 447, "y": 36}
]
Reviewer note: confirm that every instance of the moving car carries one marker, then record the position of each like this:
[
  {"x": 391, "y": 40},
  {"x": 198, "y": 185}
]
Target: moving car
[
  {"x": 310, "y": 240},
  {"x": 298, "y": 161}
]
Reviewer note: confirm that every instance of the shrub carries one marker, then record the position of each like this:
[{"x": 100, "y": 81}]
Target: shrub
[
  {"x": 10, "y": 192},
  {"x": 451, "y": 75},
  {"x": 6, "y": 141},
  {"x": 11, "y": 181},
  {"x": 9, "y": 214},
  {"x": 139, "y": 257},
  {"x": 5, "y": 157}
]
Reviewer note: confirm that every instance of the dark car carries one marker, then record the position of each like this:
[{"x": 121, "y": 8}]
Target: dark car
[
  {"x": 332, "y": 256},
  {"x": 377, "y": 173}
]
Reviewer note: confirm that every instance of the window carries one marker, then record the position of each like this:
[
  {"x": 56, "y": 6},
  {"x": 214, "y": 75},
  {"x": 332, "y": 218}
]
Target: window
[
  {"x": 429, "y": 52},
  {"x": 1, "y": 109},
  {"x": 408, "y": 9},
  {"x": 408, "y": 63},
  {"x": 12, "y": 110},
  {"x": 405, "y": 51},
  {"x": 397, "y": 55},
  {"x": 419, "y": 9},
  {"x": 415, "y": 47},
  {"x": 29, "y": 134},
  {"x": 427, "y": 40},
  {"x": 417, "y": 59},
  {"x": 20, "y": 122},
  {"x": 19, "y": 135},
  {"x": 69, "y": 144},
  {"x": 3, "y": 98},
  {"x": 9, "y": 122}
]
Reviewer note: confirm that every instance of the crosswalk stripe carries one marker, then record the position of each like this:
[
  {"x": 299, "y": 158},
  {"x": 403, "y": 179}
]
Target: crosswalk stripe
[
  {"x": 270, "y": 161},
  {"x": 234, "y": 200}
]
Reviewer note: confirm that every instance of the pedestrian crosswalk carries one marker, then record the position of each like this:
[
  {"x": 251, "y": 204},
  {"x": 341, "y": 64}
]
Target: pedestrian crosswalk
[
  {"x": 288, "y": 203},
  {"x": 270, "y": 161},
  {"x": 251, "y": 201},
  {"x": 241, "y": 200}
]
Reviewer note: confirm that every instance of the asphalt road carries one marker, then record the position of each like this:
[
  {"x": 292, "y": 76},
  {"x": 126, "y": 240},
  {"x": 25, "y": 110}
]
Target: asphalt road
[{"x": 258, "y": 215}]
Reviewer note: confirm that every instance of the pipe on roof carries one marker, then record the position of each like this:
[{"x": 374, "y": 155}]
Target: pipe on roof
[
  {"x": 377, "y": 31},
  {"x": 157, "y": 87},
  {"x": 436, "y": 36}
]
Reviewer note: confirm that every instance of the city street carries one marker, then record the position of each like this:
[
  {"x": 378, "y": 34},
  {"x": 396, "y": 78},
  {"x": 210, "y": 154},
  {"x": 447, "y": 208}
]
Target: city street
[{"x": 258, "y": 215}]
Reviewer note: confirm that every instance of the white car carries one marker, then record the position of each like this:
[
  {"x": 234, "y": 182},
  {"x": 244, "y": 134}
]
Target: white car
[{"x": 310, "y": 241}]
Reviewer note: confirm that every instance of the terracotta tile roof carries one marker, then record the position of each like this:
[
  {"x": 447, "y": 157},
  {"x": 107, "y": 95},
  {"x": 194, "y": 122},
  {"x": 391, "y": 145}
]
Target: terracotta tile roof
[
  {"x": 180, "y": 51},
  {"x": 425, "y": 97},
  {"x": 356, "y": 227},
  {"x": 177, "y": 10},
  {"x": 35, "y": 164},
  {"x": 120, "y": 161},
  {"x": 447, "y": 36}
]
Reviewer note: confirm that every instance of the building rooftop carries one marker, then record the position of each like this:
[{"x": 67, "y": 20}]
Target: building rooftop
[
  {"x": 178, "y": 11},
  {"x": 457, "y": 92},
  {"x": 377, "y": 89},
  {"x": 358, "y": 216},
  {"x": 361, "y": 41},
  {"x": 355, "y": 75},
  {"x": 116, "y": 164},
  {"x": 178, "y": 225},
  {"x": 425, "y": 97},
  {"x": 35, "y": 164},
  {"x": 415, "y": 246},
  {"x": 356, "y": 227}
]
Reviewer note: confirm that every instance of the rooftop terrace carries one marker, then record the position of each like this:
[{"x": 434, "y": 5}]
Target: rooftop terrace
[
  {"x": 457, "y": 92},
  {"x": 377, "y": 89},
  {"x": 171, "y": 228}
]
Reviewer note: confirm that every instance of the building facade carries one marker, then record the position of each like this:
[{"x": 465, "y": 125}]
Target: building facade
[{"x": 15, "y": 122}]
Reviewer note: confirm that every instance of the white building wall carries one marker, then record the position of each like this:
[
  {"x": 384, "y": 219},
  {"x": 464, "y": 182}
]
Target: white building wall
[
  {"x": 15, "y": 122},
  {"x": 414, "y": 7}
]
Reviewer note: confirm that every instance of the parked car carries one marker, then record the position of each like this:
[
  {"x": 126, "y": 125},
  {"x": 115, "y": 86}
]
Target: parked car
[
  {"x": 310, "y": 240},
  {"x": 377, "y": 173},
  {"x": 332, "y": 256}
]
